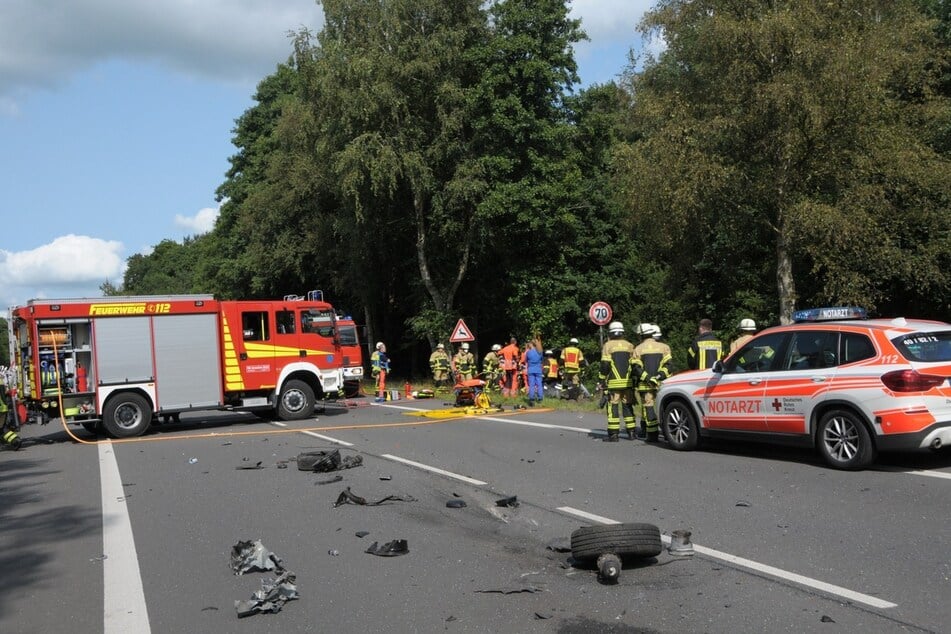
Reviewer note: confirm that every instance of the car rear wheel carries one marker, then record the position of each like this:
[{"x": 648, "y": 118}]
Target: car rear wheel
[
  {"x": 844, "y": 441},
  {"x": 680, "y": 426}
]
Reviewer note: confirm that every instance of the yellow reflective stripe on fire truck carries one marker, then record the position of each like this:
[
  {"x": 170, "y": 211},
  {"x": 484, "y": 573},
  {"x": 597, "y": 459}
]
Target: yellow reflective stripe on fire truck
[
  {"x": 233, "y": 378},
  {"x": 265, "y": 351}
]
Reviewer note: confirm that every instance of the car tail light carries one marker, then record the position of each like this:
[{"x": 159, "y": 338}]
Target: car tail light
[{"x": 911, "y": 381}]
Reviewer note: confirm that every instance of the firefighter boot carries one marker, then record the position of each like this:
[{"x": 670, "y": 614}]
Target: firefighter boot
[
  {"x": 612, "y": 436},
  {"x": 652, "y": 436},
  {"x": 630, "y": 433}
]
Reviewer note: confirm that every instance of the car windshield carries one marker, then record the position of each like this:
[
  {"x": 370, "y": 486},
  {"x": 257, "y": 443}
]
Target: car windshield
[{"x": 925, "y": 346}]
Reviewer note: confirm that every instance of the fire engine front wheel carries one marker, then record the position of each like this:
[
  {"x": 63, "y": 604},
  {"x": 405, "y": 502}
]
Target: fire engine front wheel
[
  {"x": 296, "y": 402},
  {"x": 126, "y": 415}
]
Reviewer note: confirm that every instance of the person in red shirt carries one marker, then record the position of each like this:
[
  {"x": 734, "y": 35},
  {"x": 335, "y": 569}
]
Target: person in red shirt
[{"x": 510, "y": 355}]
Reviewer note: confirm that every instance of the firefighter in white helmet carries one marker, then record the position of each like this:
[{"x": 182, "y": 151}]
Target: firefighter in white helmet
[
  {"x": 379, "y": 366},
  {"x": 463, "y": 363},
  {"x": 572, "y": 361},
  {"x": 748, "y": 328},
  {"x": 439, "y": 364},
  {"x": 492, "y": 369},
  {"x": 655, "y": 360},
  {"x": 618, "y": 370}
]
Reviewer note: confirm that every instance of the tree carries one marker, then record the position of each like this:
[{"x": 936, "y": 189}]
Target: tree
[{"x": 792, "y": 133}]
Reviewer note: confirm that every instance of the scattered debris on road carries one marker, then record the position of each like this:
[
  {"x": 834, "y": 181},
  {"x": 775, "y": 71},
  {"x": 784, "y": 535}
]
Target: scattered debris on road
[
  {"x": 336, "y": 478},
  {"x": 512, "y": 590},
  {"x": 272, "y": 596},
  {"x": 510, "y": 502},
  {"x": 248, "y": 556},
  {"x": 680, "y": 545},
  {"x": 456, "y": 504},
  {"x": 390, "y": 549},
  {"x": 348, "y": 497},
  {"x": 325, "y": 461},
  {"x": 249, "y": 467}
]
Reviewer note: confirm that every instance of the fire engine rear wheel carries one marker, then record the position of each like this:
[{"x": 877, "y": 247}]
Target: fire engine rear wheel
[
  {"x": 680, "y": 426},
  {"x": 296, "y": 402},
  {"x": 844, "y": 441},
  {"x": 126, "y": 415}
]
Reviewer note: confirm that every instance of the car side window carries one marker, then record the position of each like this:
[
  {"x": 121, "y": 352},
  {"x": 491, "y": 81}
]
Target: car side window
[
  {"x": 812, "y": 350},
  {"x": 856, "y": 347},
  {"x": 758, "y": 355}
]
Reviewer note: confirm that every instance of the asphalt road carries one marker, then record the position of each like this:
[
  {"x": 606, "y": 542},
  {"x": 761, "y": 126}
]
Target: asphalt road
[{"x": 136, "y": 536}]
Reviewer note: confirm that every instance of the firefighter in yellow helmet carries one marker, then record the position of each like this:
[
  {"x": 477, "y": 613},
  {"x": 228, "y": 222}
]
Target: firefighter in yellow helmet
[
  {"x": 463, "y": 363},
  {"x": 655, "y": 360},
  {"x": 618, "y": 370},
  {"x": 439, "y": 364}
]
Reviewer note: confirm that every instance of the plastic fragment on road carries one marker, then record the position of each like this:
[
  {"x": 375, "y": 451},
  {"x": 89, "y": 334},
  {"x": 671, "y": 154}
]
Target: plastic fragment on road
[
  {"x": 325, "y": 461},
  {"x": 252, "y": 556},
  {"x": 337, "y": 478},
  {"x": 512, "y": 590},
  {"x": 272, "y": 596},
  {"x": 390, "y": 549},
  {"x": 456, "y": 504},
  {"x": 510, "y": 502},
  {"x": 349, "y": 497},
  {"x": 680, "y": 545},
  {"x": 249, "y": 467},
  {"x": 362, "y": 534}
]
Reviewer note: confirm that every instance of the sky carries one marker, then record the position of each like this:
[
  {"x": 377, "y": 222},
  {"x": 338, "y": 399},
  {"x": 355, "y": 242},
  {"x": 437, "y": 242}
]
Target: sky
[{"x": 116, "y": 120}]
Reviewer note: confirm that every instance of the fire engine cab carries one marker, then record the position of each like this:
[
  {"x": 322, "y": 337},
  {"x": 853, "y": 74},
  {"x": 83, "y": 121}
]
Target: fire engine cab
[{"x": 119, "y": 362}]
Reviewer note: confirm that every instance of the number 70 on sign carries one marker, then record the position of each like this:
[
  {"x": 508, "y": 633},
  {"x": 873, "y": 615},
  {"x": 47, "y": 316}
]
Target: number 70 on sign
[{"x": 600, "y": 313}]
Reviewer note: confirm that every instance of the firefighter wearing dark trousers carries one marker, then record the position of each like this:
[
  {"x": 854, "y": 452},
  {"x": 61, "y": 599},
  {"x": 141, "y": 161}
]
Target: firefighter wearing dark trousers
[
  {"x": 550, "y": 371},
  {"x": 379, "y": 366},
  {"x": 655, "y": 361},
  {"x": 463, "y": 363},
  {"x": 619, "y": 366},
  {"x": 439, "y": 364},
  {"x": 706, "y": 349},
  {"x": 492, "y": 369}
]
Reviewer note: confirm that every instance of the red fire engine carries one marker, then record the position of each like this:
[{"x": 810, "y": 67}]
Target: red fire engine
[{"x": 121, "y": 361}]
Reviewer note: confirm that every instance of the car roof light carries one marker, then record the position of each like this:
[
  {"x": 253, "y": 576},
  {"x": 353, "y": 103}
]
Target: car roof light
[{"x": 830, "y": 313}]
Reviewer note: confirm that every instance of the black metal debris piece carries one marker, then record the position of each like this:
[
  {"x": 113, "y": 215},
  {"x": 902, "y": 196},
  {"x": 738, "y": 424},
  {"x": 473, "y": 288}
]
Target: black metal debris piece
[
  {"x": 325, "y": 461},
  {"x": 510, "y": 502},
  {"x": 390, "y": 549},
  {"x": 456, "y": 504},
  {"x": 272, "y": 596},
  {"x": 248, "y": 467},
  {"x": 336, "y": 478},
  {"x": 348, "y": 497},
  {"x": 362, "y": 534},
  {"x": 252, "y": 556},
  {"x": 512, "y": 590}
]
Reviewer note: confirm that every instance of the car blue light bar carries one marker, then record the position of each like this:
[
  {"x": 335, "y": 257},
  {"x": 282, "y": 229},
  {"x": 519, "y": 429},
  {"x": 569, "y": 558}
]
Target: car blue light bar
[{"x": 830, "y": 313}]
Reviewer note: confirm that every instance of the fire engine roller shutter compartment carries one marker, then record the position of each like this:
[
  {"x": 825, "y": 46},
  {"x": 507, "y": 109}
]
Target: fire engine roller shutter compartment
[{"x": 187, "y": 361}]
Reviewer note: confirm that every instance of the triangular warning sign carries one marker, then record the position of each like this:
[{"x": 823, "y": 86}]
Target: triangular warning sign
[{"x": 461, "y": 333}]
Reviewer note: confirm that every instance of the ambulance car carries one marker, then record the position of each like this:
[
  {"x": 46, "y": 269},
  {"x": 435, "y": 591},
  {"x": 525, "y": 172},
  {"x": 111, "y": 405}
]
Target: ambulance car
[{"x": 834, "y": 380}]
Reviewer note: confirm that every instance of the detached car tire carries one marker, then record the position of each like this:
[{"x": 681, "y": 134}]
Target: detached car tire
[{"x": 624, "y": 540}]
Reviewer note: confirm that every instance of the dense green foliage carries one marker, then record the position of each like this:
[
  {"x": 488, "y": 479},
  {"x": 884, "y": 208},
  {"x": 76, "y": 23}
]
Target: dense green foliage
[{"x": 422, "y": 160}]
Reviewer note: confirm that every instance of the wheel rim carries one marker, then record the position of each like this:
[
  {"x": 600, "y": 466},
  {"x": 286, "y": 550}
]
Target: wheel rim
[
  {"x": 293, "y": 400},
  {"x": 678, "y": 426},
  {"x": 128, "y": 416},
  {"x": 841, "y": 439}
]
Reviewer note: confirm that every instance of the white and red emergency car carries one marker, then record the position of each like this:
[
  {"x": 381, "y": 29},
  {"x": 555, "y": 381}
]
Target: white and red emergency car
[
  {"x": 833, "y": 380},
  {"x": 121, "y": 361}
]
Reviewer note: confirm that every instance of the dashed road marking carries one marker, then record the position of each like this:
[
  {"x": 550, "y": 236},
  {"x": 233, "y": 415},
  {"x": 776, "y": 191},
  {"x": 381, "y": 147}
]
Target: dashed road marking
[
  {"x": 426, "y": 467},
  {"x": 765, "y": 569}
]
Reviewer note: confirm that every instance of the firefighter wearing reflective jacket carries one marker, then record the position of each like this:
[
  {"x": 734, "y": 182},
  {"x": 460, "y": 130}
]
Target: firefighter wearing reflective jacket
[
  {"x": 655, "y": 361},
  {"x": 572, "y": 360},
  {"x": 550, "y": 370},
  {"x": 463, "y": 363},
  {"x": 379, "y": 366},
  {"x": 439, "y": 364},
  {"x": 492, "y": 368},
  {"x": 619, "y": 367},
  {"x": 706, "y": 349}
]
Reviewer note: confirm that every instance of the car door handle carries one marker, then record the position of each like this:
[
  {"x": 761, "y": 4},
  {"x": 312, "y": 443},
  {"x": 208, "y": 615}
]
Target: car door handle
[
  {"x": 755, "y": 381},
  {"x": 818, "y": 379}
]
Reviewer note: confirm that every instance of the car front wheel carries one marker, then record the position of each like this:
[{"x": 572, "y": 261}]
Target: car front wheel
[{"x": 844, "y": 441}]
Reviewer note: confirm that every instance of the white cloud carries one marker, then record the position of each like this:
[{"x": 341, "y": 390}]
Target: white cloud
[
  {"x": 67, "y": 260},
  {"x": 43, "y": 43},
  {"x": 201, "y": 222},
  {"x": 605, "y": 20}
]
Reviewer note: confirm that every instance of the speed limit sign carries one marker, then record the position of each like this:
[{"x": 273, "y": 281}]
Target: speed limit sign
[{"x": 600, "y": 313}]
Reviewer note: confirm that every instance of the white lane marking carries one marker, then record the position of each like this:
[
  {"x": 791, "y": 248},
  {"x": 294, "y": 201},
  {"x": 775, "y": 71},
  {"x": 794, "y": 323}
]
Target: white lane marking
[
  {"x": 793, "y": 577},
  {"x": 514, "y": 421},
  {"x": 426, "y": 467},
  {"x": 316, "y": 435},
  {"x": 124, "y": 607},
  {"x": 930, "y": 474}
]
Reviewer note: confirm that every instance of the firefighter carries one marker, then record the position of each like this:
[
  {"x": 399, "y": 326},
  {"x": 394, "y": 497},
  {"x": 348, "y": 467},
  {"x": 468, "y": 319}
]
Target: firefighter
[
  {"x": 706, "y": 349},
  {"x": 572, "y": 361},
  {"x": 510, "y": 355},
  {"x": 380, "y": 365},
  {"x": 655, "y": 361},
  {"x": 492, "y": 368},
  {"x": 619, "y": 366},
  {"x": 439, "y": 363},
  {"x": 550, "y": 371},
  {"x": 748, "y": 327},
  {"x": 463, "y": 364},
  {"x": 8, "y": 421}
]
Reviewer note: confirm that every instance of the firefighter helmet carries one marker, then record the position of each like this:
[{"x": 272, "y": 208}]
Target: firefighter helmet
[
  {"x": 465, "y": 346},
  {"x": 439, "y": 346},
  {"x": 496, "y": 347},
  {"x": 645, "y": 329},
  {"x": 616, "y": 328},
  {"x": 379, "y": 344},
  {"x": 573, "y": 341},
  {"x": 656, "y": 333},
  {"x": 548, "y": 353},
  {"x": 747, "y": 324}
]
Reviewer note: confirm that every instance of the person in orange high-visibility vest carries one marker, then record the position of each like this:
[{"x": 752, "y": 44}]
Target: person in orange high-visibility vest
[
  {"x": 550, "y": 371},
  {"x": 510, "y": 355}
]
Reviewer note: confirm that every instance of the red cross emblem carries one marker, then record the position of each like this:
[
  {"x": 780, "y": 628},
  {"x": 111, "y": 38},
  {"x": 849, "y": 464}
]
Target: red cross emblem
[{"x": 776, "y": 404}]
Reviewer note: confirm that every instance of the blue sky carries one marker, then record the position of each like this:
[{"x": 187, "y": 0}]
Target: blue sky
[{"x": 116, "y": 119}]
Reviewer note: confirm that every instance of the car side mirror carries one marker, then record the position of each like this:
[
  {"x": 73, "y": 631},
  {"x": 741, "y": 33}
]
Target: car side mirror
[{"x": 717, "y": 367}]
